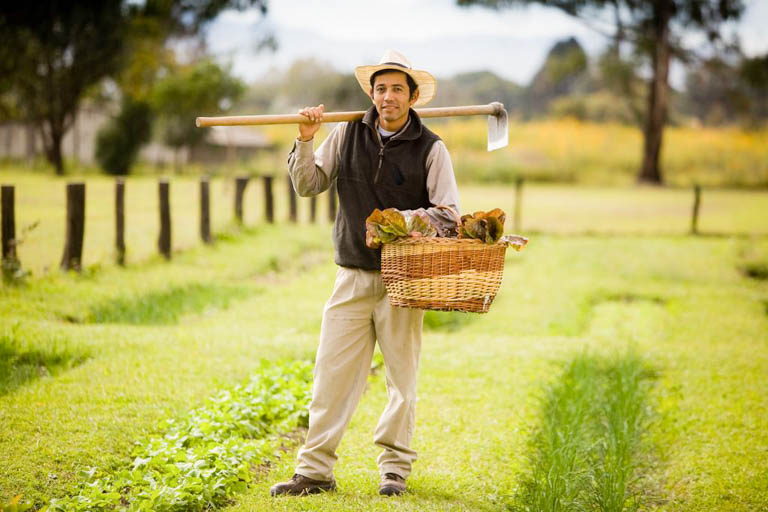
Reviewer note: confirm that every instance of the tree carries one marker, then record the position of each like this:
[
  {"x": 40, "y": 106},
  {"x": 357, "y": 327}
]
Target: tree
[
  {"x": 204, "y": 88},
  {"x": 653, "y": 28},
  {"x": 119, "y": 142},
  {"x": 53, "y": 52}
]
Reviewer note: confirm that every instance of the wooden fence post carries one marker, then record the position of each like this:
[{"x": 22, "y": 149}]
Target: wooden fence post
[
  {"x": 696, "y": 205},
  {"x": 205, "y": 210},
  {"x": 164, "y": 239},
  {"x": 292, "y": 213},
  {"x": 8, "y": 226},
  {"x": 73, "y": 245},
  {"x": 240, "y": 183},
  {"x": 269, "y": 203},
  {"x": 518, "y": 204},
  {"x": 332, "y": 203},
  {"x": 312, "y": 209},
  {"x": 120, "y": 220}
]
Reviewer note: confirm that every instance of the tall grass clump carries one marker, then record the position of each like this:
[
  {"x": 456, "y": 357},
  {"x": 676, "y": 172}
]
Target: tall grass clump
[
  {"x": 32, "y": 356},
  {"x": 586, "y": 453}
]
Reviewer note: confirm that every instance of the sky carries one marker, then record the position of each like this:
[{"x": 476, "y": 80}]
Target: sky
[{"x": 435, "y": 35}]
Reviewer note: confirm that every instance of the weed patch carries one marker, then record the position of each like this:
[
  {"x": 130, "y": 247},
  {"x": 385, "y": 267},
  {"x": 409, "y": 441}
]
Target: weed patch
[
  {"x": 21, "y": 363},
  {"x": 755, "y": 270},
  {"x": 167, "y": 306},
  {"x": 586, "y": 451},
  {"x": 580, "y": 313},
  {"x": 447, "y": 321},
  {"x": 206, "y": 457}
]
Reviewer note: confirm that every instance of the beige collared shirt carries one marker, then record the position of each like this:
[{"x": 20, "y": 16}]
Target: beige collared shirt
[{"x": 312, "y": 172}]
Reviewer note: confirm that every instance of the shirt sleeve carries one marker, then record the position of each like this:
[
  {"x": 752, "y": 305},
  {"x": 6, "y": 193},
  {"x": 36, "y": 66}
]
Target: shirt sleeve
[
  {"x": 313, "y": 172},
  {"x": 442, "y": 189}
]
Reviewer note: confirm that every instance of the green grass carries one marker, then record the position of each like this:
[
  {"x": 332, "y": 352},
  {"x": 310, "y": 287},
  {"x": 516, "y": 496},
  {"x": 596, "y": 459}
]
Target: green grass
[
  {"x": 166, "y": 306},
  {"x": 204, "y": 458},
  {"x": 549, "y": 208},
  {"x": 684, "y": 304},
  {"x": 26, "y": 358},
  {"x": 586, "y": 451}
]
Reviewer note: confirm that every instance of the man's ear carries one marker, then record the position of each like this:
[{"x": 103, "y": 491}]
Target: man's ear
[
  {"x": 370, "y": 94},
  {"x": 414, "y": 97}
]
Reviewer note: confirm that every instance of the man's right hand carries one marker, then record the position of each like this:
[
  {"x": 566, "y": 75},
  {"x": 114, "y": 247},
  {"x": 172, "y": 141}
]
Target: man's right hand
[{"x": 315, "y": 115}]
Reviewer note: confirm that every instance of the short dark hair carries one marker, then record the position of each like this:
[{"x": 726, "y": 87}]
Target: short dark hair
[{"x": 412, "y": 85}]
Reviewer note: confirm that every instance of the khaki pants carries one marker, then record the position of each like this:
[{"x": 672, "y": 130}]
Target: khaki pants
[{"x": 355, "y": 317}]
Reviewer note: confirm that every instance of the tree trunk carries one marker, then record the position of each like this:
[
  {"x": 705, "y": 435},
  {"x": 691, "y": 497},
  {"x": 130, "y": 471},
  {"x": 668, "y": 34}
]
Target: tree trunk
[
  {"x": 55, "y": 155},
  {"x": 657, "y": 97},
  {"x": 52, "y": 139}
]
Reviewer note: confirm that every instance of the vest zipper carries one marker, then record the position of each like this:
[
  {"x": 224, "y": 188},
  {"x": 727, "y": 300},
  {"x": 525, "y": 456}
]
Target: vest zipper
[{"x": 378, "y": 169}]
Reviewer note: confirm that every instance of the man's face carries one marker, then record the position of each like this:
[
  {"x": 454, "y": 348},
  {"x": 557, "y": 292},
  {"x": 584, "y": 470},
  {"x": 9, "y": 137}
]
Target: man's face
[{"x": 392, "y": 98}]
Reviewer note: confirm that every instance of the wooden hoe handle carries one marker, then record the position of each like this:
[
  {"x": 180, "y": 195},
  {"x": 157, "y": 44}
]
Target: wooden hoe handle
[{"x": 492, "y": 109}]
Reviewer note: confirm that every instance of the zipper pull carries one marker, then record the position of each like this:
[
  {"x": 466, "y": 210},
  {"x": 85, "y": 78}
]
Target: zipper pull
[{"x": 378, "y": 169}]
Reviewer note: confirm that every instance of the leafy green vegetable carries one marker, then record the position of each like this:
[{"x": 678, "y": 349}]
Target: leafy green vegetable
[
  {"x": 485, "y": 226},
  {"x": 383, "y": 227},
  {"x": 420, "y": 225},
  {"x": 206, "y": 457}
]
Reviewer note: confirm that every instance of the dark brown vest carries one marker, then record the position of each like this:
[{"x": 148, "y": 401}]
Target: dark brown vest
[{"x": 374, "y": 176}]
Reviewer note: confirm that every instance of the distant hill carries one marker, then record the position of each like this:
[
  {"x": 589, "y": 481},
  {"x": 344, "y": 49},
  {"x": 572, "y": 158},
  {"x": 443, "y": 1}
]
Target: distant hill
[
  {"x": 564, "y": 71},
  {"x": 478, "y": 88},
  {"x": 564, "y": 85}
]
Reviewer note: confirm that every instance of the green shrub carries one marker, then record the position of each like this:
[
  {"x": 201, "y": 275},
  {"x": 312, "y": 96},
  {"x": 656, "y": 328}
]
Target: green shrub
[{"x": 119, "y": 142}]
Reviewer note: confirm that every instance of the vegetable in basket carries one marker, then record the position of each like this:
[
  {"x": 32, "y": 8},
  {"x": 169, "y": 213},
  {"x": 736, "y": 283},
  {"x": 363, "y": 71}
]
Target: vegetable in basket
[
  {"x": 386, "y": 226},
  {"x": 485, "y": 226}
]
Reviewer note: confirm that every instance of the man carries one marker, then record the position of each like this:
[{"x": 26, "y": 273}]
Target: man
[{"x": 387, "y": 160}]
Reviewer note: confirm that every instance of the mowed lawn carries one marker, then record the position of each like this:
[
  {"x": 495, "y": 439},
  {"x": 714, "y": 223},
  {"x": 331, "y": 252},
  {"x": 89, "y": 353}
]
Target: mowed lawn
[{"x": 99, "y": 359}]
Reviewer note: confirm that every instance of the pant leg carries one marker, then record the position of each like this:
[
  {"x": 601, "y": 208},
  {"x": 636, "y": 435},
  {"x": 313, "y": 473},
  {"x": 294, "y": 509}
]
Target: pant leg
[
  {"x": 342, "y": 366},
  {"x": 398, "y": 331}
]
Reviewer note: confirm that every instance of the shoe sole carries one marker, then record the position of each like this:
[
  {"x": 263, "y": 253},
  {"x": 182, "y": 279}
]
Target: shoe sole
[
  {"x": 303, "y": 492},
  {"x": 391, "y": 491}
]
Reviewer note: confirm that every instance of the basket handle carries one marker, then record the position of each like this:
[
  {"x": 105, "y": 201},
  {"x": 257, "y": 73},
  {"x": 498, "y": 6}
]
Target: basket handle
[{"x": 453, "y": 212}]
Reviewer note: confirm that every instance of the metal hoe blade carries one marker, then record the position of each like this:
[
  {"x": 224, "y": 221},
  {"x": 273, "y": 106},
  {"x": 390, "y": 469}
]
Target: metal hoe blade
[{"x": 498, "y": 129}]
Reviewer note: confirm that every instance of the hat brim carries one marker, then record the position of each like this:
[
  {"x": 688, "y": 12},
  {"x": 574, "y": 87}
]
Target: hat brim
[{"x": 426, "y": 82}]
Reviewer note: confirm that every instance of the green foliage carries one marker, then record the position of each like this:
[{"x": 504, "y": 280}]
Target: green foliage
[
  {"x": 12, "y": 271},
  {"x": 204, "y": 458},
  {"x": 448, "y": 321},
  {"x": 477, "y": 88},
  {"x": 202, "y": 89},
  {"x": 602, "y": 107},
  {"x": 119, "y": 141},
  {"x": 27, "y": 356},
  {"x": 167, "y": 306},
  {"x": 52, "y": 54},
  {"x": 593, "y": 420}
]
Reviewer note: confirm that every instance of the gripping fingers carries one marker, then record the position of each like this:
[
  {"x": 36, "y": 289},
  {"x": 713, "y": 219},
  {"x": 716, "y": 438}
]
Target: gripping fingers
[{"x": 315, "y": 114}]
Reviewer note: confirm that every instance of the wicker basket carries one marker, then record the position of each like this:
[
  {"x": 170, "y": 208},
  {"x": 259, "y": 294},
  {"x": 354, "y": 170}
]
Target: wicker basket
[{"x": 443, "y": 274}]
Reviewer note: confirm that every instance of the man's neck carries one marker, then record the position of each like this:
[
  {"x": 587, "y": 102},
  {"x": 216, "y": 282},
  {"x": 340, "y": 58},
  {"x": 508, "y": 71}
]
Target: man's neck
[
  {"x": 379, "y": 127},
  {"x": 393, "y": 126}
]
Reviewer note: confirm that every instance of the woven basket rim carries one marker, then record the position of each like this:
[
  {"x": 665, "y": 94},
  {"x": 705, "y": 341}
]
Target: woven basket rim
[{"x": 441, "y": 240}]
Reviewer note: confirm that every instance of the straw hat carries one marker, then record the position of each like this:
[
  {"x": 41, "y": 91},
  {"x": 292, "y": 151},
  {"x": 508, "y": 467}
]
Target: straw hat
[{"x": 396, "y": 61}]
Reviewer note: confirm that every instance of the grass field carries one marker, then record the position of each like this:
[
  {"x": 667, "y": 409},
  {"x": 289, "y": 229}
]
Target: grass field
[
  {"x": 566, "y": 150},
  {"x": 678, "y": 324},
  {"x": 550, "y": 208}
]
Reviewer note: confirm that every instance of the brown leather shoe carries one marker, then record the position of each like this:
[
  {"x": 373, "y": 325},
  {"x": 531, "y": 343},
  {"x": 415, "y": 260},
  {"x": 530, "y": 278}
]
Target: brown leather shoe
[
  {"x": 300, "y": 485},
  {"x": 392, "y": 485}
]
